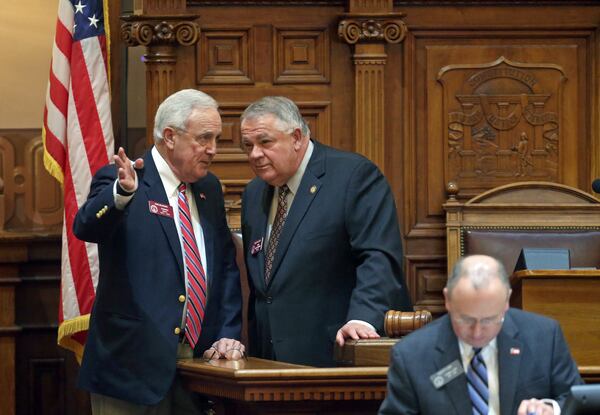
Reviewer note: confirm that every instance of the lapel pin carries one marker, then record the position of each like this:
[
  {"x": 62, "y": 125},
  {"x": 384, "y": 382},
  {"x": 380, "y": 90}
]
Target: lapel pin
[
  {"x": 202, "y": 196},
  {"x": 313, "y": 189},
  {"x": 256, "y": 246},
  {"x": 514, "y": 351}
]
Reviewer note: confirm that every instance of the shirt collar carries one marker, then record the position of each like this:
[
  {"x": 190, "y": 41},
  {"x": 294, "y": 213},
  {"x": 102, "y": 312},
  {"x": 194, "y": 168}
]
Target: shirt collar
[
  {"x": 294, "y": 181},
  {"x": 466, "y": 350},
  {"x": 169, "y": 180}
]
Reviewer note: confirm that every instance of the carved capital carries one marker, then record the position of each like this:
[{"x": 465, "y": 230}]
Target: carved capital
[
  {"x": 372, "y": 28},
  {"x": 159, "y": 30}
]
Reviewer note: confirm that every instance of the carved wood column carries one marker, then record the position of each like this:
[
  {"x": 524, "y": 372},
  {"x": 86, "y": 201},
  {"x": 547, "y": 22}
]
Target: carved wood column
[
  {"x": 161, "y": 34},
  {"x": 368, "y": 26}
]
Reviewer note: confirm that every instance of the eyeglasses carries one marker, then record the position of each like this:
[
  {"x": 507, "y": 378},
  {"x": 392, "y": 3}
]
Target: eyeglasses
[
  {"x": 200, "y": 140},
  {"x": 483, "y": 322}
]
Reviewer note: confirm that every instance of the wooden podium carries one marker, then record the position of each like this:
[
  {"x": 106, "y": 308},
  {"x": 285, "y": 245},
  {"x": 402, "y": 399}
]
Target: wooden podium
[
  {"x": 256, "y": 386},
  {"x": 572, "y": 297}
]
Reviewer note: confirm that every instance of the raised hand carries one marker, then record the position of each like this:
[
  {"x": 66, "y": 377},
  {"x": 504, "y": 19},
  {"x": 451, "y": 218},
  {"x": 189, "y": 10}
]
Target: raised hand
[{"x": 126, "y": 170}]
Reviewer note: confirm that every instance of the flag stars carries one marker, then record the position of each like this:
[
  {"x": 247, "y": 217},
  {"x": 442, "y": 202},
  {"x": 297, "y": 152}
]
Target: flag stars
[
  {"x": 79, "y": 7},
  {"x": 93, "y": 21}
]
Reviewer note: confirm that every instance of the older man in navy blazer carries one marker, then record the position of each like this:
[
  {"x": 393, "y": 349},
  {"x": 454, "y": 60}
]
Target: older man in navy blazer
[
  {"x": 321, "y": 240},
  {"x": 482, "y": 357},
  {"x": 146, "y": 311}
]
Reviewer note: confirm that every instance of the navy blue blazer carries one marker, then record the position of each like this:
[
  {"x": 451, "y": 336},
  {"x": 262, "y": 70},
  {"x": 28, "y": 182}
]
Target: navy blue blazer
[
  {"x": 131, "y": 349},
  {"x": 339, "y": 258},
  {"x": 542, "y": 368}
]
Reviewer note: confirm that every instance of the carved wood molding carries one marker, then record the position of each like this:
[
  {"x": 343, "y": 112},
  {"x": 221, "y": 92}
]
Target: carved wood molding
[
  {"x": 161, "y": 34},
  {"x": 369, "y": 27},
  {"x": 160, "y": 30}
]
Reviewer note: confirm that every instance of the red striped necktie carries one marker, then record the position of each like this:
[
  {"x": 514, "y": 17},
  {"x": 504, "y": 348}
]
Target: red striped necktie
[{"x": 196, "y": 278}]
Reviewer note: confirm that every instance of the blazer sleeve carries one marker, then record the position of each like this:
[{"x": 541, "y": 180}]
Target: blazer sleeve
[
  {"x": 98, "y": 217},
  {"x": 374, "y": 237}
]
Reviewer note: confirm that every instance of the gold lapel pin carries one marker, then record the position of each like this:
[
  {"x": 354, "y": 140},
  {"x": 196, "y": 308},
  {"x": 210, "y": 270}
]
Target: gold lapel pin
[{"x": 313, "y": 189}]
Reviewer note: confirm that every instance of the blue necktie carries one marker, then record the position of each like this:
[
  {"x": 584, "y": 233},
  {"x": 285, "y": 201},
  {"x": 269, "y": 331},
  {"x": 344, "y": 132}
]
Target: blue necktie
[{"x": 477, "y": 383}]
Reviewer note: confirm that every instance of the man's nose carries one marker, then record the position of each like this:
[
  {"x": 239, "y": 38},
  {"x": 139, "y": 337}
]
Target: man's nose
[
  {"x": 211, "y": 148},
  {"x": 255, "y": 153}
]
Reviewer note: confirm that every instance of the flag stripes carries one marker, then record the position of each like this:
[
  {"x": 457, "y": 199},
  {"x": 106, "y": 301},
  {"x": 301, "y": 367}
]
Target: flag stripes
[{"x": 78, "y": 140}]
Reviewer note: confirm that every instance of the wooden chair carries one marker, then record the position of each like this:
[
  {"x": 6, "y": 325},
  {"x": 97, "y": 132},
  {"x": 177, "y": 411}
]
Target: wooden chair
[{"x": 505, "y": 219}]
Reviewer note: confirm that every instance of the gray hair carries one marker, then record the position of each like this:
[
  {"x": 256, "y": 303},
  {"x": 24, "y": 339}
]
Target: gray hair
[
  {"x": 480, "y": 276},
  {"x": 176, "y": 109},
  {"x": 283, "y": 109}
]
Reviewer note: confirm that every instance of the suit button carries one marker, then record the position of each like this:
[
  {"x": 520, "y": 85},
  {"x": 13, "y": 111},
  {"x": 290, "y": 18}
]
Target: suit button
[
  {"x": 177, "y": 330},
  {"x": 269, "y": 300},
  {"x": 182, "y": 298}
]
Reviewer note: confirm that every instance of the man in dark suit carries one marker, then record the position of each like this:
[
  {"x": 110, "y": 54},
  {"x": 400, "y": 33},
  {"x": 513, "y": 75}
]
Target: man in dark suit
[
  {"x": 321, "y": 240},
  {"x": 169, "y": 285},
  {"x": 482, "y": 357}
]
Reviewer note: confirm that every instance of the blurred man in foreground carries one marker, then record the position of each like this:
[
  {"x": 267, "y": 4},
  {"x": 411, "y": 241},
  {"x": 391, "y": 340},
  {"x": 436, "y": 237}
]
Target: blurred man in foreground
[{"x": 482, "y": 357}]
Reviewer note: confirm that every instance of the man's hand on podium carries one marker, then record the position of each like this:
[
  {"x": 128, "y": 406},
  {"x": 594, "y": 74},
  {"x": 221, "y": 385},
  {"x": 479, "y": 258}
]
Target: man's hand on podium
[
  {"x": 225, "y": 348},
  {"x": 355, "y": 330}
]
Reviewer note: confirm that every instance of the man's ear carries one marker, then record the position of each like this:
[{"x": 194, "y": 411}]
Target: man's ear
[
  {"x": 446, "y": 298},
  {"x": 169, "y": 137},
  {"x": 297, "y": 138},
  {"x": 508, "y": 300}
]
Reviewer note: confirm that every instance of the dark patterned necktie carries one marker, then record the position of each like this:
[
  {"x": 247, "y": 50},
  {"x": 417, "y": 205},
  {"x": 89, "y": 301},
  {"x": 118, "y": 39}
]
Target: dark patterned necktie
[
  {"x": 196, "y": 278},
  {"x": 477, "y": 383},
  {"x": 276, "y": 230}
]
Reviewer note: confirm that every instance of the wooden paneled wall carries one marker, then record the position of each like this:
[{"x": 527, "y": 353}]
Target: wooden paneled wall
[{"x": 481, "y": 92}]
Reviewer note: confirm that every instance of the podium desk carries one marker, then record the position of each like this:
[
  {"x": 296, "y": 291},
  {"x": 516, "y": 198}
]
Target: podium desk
[
  {"x": 572, "y": 297},
  {"x": 258, "y": 386}
]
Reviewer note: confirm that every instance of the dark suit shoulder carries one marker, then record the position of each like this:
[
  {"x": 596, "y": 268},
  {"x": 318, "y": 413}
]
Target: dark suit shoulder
[
  {"x": 423, "y": 338},
  {"x": 210, "y": 180},
  {"x": 525, "y": 318},
  {"x": 347, "y": 158}
]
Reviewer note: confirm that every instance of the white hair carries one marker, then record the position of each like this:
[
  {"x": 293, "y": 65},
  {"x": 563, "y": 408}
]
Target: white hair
[
  {"x": 175, "y": 110},
  {"x": 283, "y": 109}
]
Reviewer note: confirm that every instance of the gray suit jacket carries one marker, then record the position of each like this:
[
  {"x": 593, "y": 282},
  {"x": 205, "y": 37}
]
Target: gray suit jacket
[{"x": 543, "y": 368}]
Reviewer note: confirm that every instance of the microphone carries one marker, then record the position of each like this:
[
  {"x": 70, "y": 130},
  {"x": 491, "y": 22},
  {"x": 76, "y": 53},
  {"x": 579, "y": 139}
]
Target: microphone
[{"x": 596, "y": 185}]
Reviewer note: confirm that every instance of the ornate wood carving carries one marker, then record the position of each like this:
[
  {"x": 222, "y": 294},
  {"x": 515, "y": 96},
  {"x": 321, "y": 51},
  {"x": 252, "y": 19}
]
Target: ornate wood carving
[
  {"x": 226, "y": 57},
  {"x": 301, "y": 55},
  {"x": 357, "y": 28},
  {"x": 161, "y": 35},
  {"x": 369, "y": 32},
  {"x": 30, "y": 197},
  {"x": 7, "y": 165},
  {"x": 43, "y": 197},
  {"x": 502, "y": 122}
]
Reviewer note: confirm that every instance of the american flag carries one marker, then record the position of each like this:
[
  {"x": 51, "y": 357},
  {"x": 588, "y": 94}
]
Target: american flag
[{"x": 78, "y": 140}]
